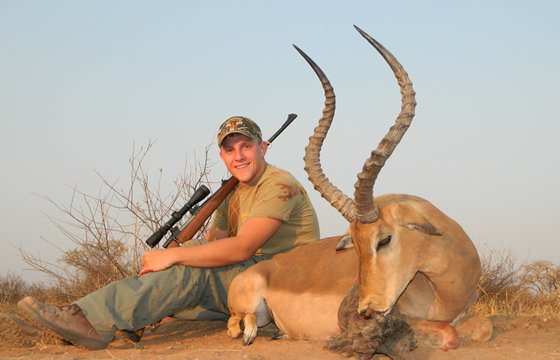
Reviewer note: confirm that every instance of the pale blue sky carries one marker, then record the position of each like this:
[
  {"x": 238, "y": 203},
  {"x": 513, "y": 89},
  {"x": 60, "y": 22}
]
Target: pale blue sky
[{"x": 82, "y": 81}]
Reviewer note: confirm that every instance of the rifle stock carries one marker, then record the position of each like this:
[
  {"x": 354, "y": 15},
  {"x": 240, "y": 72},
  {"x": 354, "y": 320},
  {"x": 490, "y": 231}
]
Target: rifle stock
[{"x": 216, "y": 199}]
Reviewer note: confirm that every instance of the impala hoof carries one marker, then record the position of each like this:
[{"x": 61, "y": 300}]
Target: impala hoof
[
  {"x": 477, "y": 329},
  {"x": 248, "y": 339}
]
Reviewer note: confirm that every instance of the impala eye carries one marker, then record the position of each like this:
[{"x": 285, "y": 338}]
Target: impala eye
[{"x": 384, "y": 242}]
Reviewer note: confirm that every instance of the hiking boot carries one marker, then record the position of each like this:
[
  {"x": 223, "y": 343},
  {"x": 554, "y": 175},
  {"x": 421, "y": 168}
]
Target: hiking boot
[{"x": 67, "y": 321}]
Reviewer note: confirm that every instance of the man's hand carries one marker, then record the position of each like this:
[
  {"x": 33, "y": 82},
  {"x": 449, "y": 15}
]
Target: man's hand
[{"x": 156, "y": 260}]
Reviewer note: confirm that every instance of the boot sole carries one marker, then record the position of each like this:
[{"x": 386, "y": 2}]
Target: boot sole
[{"x": 69, "y": 336}]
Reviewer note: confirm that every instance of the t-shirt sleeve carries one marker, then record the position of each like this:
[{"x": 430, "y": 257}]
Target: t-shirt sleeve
[{"x": 277, "y": 198}]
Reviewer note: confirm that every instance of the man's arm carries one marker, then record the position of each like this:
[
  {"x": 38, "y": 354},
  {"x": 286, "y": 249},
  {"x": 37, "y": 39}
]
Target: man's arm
[{"x": 230, "y": 250}]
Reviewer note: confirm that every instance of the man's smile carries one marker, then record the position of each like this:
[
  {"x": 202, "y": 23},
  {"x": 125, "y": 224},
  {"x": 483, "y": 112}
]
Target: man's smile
[{"x": 241, "y": 166}]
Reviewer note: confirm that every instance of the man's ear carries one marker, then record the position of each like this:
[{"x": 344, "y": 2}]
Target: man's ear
[{"x": 264, "y": 146}]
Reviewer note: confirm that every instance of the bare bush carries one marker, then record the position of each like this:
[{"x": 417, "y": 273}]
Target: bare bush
[
  {"x": 499, "y": 274},
  {"x": 12, "y": 288},
  {"x": 542, "y": 277},
  {"x": 510, "y": 289},
  {"x": 108, "y": 229}
]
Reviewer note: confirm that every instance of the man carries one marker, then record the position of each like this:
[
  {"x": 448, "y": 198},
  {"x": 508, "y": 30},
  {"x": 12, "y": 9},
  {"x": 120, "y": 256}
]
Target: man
[{"x": 268, "y": 213}]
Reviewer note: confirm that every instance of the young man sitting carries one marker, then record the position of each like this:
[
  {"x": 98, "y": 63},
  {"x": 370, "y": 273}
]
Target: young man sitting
[{"x": 268, "y": 213}]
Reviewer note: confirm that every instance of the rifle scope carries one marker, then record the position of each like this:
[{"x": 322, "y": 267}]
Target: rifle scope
[{"x": 198, "y": 195}]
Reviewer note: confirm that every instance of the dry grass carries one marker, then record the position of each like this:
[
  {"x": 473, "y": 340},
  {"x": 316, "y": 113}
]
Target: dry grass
[
  {"x": 507, "y": 289},
  {"x": 13, "y": 288}
]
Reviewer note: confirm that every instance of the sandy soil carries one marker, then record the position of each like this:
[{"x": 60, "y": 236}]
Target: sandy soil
[{"x": 519, "y": 338}]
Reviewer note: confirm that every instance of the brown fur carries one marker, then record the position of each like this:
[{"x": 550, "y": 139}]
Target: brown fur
[
  {"x": 427, "y": 272},
  {"x": 301, "y": 292}
]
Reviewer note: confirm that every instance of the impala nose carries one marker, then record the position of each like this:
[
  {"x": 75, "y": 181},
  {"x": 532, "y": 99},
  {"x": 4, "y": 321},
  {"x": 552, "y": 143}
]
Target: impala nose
[{"x": 365, "y": 311}]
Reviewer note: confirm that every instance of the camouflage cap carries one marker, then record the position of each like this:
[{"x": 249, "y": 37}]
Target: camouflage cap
[{"x": 239, "y": 125}]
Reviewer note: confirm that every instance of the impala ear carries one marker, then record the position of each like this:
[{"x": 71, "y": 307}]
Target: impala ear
[
  {"x": 425, "y": 227},
  {"x": 344, "y": 243}
]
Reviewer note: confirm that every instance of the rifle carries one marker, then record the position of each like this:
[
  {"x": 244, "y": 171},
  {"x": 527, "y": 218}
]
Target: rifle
[
  {"x": 204, "y": 211},
  {"x": 156, "y": 237}
]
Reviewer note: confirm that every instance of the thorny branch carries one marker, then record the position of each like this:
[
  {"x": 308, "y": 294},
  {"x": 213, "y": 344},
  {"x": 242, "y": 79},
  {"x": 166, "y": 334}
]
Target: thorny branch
[{"x": 108, "y": 229}]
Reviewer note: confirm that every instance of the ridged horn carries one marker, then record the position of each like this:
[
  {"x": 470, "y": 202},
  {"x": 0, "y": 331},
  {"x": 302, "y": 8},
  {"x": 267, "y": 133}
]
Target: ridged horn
[
  {"x": 366, "y": 211},
  {"x": 321, "y": 183}
]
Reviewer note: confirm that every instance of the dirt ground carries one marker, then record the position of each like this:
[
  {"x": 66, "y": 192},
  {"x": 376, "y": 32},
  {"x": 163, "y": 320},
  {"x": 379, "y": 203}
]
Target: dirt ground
[{"x": 517, "y": 338}]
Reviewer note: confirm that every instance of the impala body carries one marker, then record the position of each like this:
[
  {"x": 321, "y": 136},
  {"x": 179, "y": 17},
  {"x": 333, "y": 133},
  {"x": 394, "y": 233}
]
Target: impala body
[{"x": 409, "y": 258}]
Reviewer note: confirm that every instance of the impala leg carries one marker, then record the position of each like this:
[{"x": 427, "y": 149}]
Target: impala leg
[
  {"x": 436, "y": 334},
  {"x": 246, "y": 301},
  {"x": 233, "y": 325},
  {"x": 476, "y": 328},
  {"x": 250, "y": 332}
]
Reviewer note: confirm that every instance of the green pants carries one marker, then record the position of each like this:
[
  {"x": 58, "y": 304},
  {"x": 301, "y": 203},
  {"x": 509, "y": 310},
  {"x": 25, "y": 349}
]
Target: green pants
[{"x": 184, "y": 292}]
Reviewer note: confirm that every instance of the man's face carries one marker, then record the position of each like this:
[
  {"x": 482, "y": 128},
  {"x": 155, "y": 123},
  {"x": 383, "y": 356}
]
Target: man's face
[{"x": 244, "y": 157}]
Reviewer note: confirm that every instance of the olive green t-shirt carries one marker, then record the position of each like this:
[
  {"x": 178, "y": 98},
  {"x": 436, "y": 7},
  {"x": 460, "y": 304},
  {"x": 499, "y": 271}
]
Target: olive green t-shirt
[{"x": 277, "y": 194}]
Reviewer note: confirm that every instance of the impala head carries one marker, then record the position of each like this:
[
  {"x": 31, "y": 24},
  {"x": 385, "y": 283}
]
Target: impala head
[
  {"x": 392, "y": 250},
  {"x": 381, "y": 234}
]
